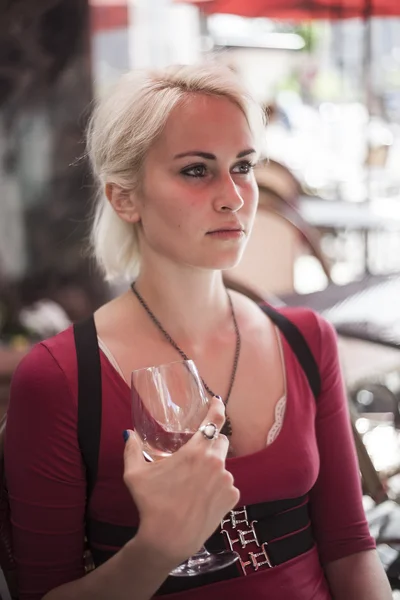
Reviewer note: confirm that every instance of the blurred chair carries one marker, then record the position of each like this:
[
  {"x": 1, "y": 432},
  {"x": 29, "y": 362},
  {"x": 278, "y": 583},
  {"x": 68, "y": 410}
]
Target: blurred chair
[
  {"x": 280, "y": 236},
  {"x": 276, "y": 177},
  {"x": 374, "y": 397}
]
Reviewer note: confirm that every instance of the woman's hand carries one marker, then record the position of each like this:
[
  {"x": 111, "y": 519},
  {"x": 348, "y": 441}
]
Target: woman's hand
[{"x": 181, "y": 499}]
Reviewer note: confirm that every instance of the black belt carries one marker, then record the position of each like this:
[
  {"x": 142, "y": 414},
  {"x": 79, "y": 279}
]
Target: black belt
[{"x": 265, "y": 535}]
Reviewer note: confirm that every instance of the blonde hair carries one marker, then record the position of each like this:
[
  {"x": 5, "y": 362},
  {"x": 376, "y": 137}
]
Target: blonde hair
[{"x": 122, "y": 128}]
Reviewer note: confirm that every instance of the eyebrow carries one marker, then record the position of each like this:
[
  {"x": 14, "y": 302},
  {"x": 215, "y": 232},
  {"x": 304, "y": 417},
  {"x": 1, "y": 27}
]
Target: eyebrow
[{"x": 209, "y": 156}]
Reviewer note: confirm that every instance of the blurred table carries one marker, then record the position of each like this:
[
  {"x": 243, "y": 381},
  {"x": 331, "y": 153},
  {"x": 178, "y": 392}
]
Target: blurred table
[
  {"x": 338, "y": 215},
  {"x": 366, "y": 310},
  {"x": 378, "y": 216}
]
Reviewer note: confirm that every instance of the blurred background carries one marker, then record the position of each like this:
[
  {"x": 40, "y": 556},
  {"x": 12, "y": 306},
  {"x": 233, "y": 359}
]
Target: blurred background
[{"x": 327, "y": 232}]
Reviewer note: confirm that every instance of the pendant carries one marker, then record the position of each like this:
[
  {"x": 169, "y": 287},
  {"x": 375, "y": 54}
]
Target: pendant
[{"x": 227, "y": 428}]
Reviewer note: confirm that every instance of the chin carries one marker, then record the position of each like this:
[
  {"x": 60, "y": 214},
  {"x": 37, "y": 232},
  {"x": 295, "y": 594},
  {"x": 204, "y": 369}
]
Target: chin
[
  {"x": 223, "y": 263},
  {"x": 216, "y": 259}
]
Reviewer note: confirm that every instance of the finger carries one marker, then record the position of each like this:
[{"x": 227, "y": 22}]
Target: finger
[
  {"x": 221, "y": 446},
  {"x": 216, "y": 413},
  {"x": 133, "y": 449}
]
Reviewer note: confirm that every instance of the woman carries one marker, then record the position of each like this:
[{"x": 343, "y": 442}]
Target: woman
[{"x": 174, "y": 153}]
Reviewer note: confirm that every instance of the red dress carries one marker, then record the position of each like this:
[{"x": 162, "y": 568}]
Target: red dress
[{"x": 313, "y": 454}]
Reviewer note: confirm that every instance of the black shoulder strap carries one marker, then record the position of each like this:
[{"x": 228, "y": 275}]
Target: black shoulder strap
[
  {"x": 299, "y": 346},
  {"x": 89, "y": 397}
]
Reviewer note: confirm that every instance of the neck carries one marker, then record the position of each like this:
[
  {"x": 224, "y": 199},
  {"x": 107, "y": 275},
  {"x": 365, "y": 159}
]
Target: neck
[{"x": 190, "y": 305}]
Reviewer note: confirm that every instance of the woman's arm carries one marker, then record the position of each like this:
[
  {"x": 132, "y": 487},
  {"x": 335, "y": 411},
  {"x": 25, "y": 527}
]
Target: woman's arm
[
  {"x": 346, "y": 548},
  {"x": 134, "y": 573},
  {"x": 358, "y": 576},
  {"x": 45, "y": 476}
]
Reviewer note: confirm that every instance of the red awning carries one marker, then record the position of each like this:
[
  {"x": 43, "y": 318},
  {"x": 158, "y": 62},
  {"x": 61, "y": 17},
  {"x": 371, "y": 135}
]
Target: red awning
[
  {"x": 108, "y": 14},
  {"x": 301, "y": 9}
]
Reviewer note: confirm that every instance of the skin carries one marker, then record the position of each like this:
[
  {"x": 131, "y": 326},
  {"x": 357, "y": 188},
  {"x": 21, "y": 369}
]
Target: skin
[{"x": 181, "y": 280}]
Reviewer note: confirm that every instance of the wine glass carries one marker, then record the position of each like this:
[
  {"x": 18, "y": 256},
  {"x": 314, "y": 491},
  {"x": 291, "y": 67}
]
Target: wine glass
[{"x": 169, "y": 404}]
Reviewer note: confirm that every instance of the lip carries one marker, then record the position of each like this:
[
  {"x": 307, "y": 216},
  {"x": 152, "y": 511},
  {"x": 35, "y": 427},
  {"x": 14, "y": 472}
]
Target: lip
[
  {"x": 227, "y": 229},
  {"x": 227, "y": 234}
]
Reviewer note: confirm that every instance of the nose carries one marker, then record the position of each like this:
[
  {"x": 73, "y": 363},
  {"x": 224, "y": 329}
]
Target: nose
[{"x": 228, "y": 197}]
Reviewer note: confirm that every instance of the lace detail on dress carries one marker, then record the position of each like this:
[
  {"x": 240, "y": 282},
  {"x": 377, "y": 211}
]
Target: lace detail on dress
[
  {"x": 280, "y": 407},
  {"x": 280, "y": 410}
]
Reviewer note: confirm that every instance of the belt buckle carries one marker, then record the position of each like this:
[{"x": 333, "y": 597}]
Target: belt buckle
[
  {"x": 244, "y": 540},
  {"x": 234, "y": 519},
  {"x": 263, "y": 554},
  {"x": 240, "y": 517}
]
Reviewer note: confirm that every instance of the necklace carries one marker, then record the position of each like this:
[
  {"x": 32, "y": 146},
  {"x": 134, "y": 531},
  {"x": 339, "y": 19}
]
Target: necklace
[{"x": 227, "y": 428}]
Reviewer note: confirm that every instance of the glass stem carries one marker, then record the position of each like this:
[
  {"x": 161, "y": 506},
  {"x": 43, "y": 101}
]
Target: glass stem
[{"x": 201, "y": 556}]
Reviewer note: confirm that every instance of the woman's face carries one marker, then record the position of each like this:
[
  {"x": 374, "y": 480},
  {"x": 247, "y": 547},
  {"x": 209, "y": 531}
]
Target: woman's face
[{"x": 199, "y": 196}]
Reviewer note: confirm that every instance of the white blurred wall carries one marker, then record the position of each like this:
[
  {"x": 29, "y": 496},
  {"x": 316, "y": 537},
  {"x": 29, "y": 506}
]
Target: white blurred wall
[{"x": 161, "y": 33}]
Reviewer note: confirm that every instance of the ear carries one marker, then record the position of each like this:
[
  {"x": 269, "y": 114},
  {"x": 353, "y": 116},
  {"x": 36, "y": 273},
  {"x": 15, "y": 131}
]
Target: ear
[{"x": 123, "y": 202}]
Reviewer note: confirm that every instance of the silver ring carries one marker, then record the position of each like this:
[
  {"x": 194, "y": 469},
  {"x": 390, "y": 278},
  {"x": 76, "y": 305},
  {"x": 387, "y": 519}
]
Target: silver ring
[{"x": 210, "y": 431}]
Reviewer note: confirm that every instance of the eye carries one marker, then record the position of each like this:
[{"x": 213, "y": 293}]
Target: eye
[
  {"x": 243, "y": 168},
  {"x": 195, "y": 171}
]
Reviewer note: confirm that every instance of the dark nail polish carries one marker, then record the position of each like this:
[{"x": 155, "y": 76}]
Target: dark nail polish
[{"x": 125, "y": 435}]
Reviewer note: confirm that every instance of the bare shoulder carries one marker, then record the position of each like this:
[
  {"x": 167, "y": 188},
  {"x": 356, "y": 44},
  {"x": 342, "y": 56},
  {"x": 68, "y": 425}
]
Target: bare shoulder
[
  {"x": 107, "y": 313},
  {"x": 118, "y": 316}
]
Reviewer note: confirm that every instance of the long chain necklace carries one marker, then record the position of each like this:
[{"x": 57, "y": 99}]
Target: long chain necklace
[{"x": 227, "y": 428}]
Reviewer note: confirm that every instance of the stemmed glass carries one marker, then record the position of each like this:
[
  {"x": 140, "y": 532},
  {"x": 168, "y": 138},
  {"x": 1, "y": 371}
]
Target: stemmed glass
[{"x": 169, "y": 404}]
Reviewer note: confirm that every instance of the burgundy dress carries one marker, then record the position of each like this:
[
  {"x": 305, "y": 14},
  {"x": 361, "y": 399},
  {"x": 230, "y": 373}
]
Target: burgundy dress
[{"x": 313, "y": 454}]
